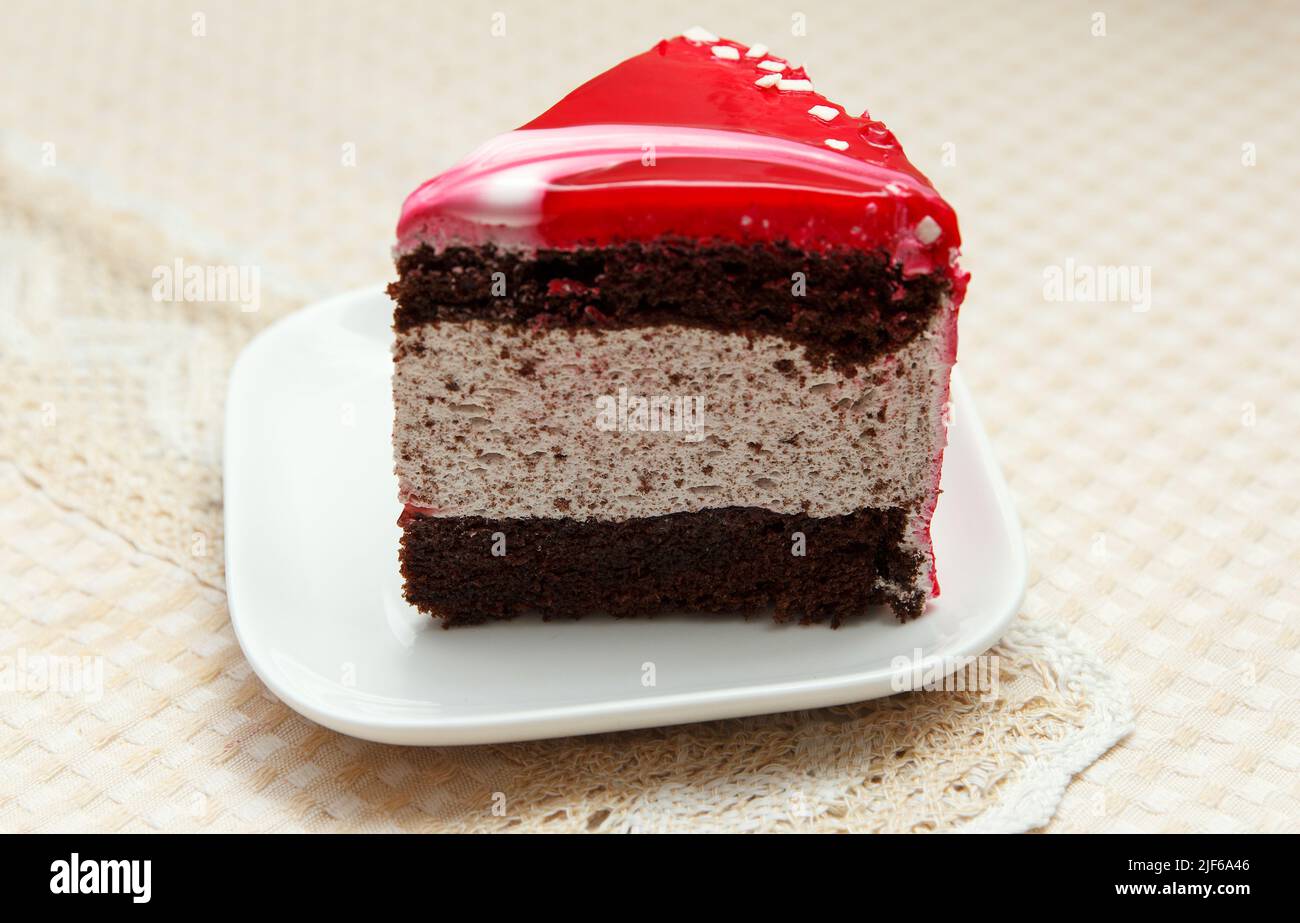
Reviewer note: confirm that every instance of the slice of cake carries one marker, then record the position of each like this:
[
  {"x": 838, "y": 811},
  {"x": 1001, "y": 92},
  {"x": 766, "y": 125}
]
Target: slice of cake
[{"x": 680, "y": 344}]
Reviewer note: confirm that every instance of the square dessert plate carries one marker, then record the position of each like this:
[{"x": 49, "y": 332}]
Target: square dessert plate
[{"x": 316, "y": 596}]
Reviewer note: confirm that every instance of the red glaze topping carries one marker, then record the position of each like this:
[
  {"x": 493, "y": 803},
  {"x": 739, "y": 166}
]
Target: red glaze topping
[
  {"x": 683, "y": 83},
  {"x": 730, "y": 149}
]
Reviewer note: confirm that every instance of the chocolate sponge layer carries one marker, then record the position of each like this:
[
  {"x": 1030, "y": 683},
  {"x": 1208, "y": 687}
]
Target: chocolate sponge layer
[
  {"x": 715, "y": 560},
  {"x": 846, "y": 307}
]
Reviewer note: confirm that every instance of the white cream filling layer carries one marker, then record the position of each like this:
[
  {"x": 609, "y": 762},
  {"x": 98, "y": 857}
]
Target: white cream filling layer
[{"x": 545, "y": 424}]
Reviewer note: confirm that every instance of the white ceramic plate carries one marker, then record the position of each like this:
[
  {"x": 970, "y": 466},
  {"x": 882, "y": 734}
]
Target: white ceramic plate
[{"x": 315, "y": 594}]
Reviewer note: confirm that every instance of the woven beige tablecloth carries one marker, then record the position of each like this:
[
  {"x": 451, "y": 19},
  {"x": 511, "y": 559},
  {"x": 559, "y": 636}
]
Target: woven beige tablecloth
[{"x": 1149, "y": 436}]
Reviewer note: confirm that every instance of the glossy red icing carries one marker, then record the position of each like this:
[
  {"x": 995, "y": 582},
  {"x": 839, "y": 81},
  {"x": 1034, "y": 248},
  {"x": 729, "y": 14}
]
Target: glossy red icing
[
  {"x": 866, "y": 195},
  {"x": 681, "y": 82}
]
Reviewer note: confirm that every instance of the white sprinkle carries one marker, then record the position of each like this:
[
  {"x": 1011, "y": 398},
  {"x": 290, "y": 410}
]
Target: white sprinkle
[
  {"x": 837, "y": 145},
  {"x": 928, "y": 230},
  {"x": 726, "y": 52},
  {"x": 825, "y": 113},
  {"x": 756, "y": 51},
  {"x": 795, "y": 86},
  {"x": 774, "y": 66},
  {"x": 770, "y": 80},
  {"x": 699, "y": 35}
]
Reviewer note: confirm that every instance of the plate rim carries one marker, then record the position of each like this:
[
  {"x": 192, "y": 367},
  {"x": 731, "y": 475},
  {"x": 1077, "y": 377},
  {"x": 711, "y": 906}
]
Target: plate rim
[{"x": 665, "y": 709}]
